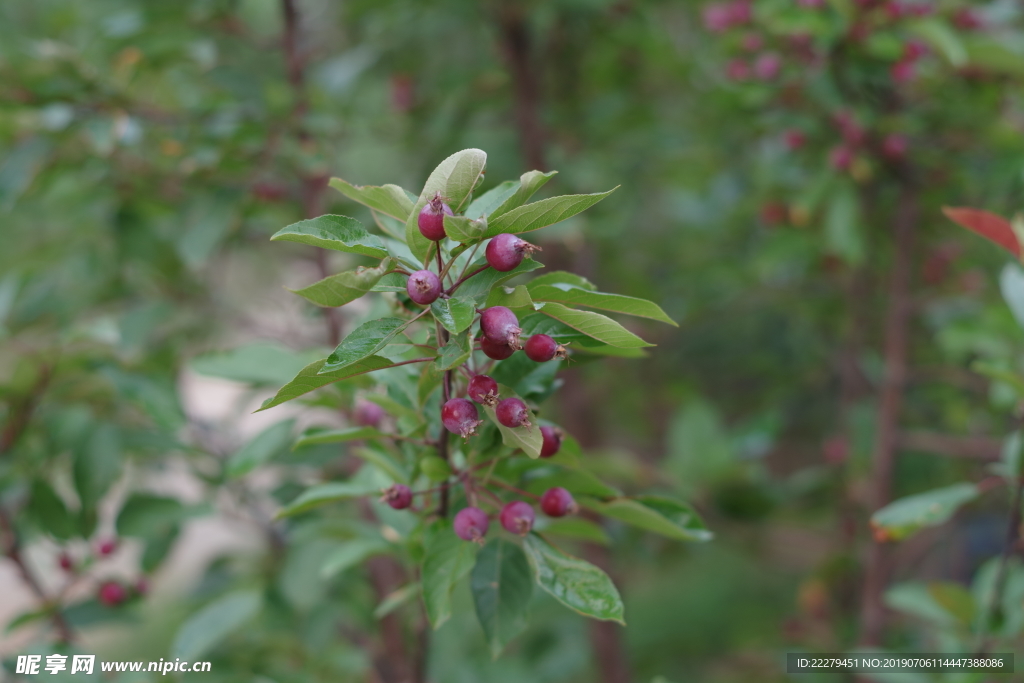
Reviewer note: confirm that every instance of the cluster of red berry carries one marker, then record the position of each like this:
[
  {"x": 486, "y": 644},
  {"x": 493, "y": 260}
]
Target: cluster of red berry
[
  {"x": 110, "y": 592},
  {"x": 499, "y": 339}
]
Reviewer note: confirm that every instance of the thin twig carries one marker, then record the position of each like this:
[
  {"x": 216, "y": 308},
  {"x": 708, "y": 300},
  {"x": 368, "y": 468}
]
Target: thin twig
[{"x": 451, "y": 290}]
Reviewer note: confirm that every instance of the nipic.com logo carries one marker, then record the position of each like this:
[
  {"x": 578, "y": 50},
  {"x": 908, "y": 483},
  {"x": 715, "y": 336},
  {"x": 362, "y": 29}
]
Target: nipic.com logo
[{"x": 30, "y": 665}]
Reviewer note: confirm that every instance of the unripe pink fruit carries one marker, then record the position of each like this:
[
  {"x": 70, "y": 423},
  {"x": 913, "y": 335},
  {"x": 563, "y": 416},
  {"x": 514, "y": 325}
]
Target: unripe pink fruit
[
  {"x": 460, "y": 417},
  {"x": 398, "y": 496},
  {"x": 894, "y": 146},
  {"x": 552, "y": 441},
  {"x": 737, "y": 70},
  {"x": 495, "y": 351},
  {"x": 500, "y": 326},
  {"x": 517, "y": 517},
  {"x": 471, "y": 524},
  {"x": 367, "y": 414},
  {"x": 542, "y": 348},
  {"x": 431, "y": 219},
  {"x": 840, "y": 157},
  {"x": 902, "y": 71},
  {"x": 558, "y": 502},
  {"x": 483, "y": 390},
  {"x": 111, "y": 593},
  {"x": 512, "y": 412},
  {"x": 794, "y": 139},
  {"x": 767, "y": 66},
  {"x": 423, "y": 287},
  {"x": 507, "y": 251}
]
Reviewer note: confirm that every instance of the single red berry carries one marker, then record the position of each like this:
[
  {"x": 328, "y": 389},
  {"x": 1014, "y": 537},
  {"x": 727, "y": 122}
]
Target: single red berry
[
  {"x": 913, "y": 50},
  {"x": 902, "y": 71},
  {"x": 774, "y": 213},
  {"x": 367, "y": 414},
  {"x": 423, "y": 287},
  {"x": 542, "y": 348},
  {"x": 517, "y": 517},
  {"x": 717, "y": 17},
  {"x": 460, "y": 416},
  {"x": 767, "y": 66},
  {"x": 552, "y": 441},
  {"x": 840, "y": 157},
  {"x": 894, "y": 146},
  {"x": 558, "y": 502},
  {"x": 495, "y": 351},
  {"x": 507, "y": 251},
  {"x": 500, "y": 326},
  {"x": 737, "y": 70},
  {"x": 65, "y": 562},
  {"x": 142, "y": 586},
  {"x": 431, "y": 219},
  {"x": 967, "y": 19},
  {"x": 752, "y": 42},
  {"x": 512, "y": 412},
  {"x": 107, "y": 547},
  {"x": 740, "y": 11},
  {"x": 111, "y": 593},
  {"x": 398, "y": 496},
  {"x": 794, "y": 139},
  {"x": 471, "y": 524},
  {"x": 483, "y": 390}
]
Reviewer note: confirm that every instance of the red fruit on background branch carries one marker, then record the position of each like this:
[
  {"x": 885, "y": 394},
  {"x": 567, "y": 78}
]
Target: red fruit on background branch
[
  {"x": 471, "y": 524},
  {"x": 557, "y": 502},
  {"x": 460, "y": 416},
  {"x": 107, "y": 547},
  {"x": 398, "y": 496},
  {"x": 500, "y": 326},
  {"x": 512, "y": 412},
  {"x": 483, "y": 390},
  {"x": 989, "y": 225},
  {"x": 111, "y": 593},
  {"x": 496, "y": 351},
  {"x": 552, "y": 437},
  {"x": 368, "y": 414},
  {"x": 517, "y": 517}
]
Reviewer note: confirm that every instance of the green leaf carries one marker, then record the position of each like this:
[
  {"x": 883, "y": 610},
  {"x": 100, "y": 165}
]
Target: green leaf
[
  {"x": 455, "y": 314},
  {"x": 943, "y": 38},
  {"x": 339, "y": 233},
  {"x": 314, "y": 437},
  {"x": 579, "y": 528},
  {"x": 465, "y": 230},
  {"x": 263, "y": 447},
  {"x": 392, "y": 282},
  {"x": 455, "y": 352},
  {"x": 594, "y": 325},
  {"x": 340, "y": 289},
  {"x": 383, "y": 462},
  {"x": 454, "y": 178},
  {"x": 510, "y": 297},
  {"x": 447, "y": 560},
  {"x": 616, "y": 303},
  {"x": 49, "y": 511},
  {"x": 903, "y": 517},
  {"x": 575, "y": 583},
  {"x": 397, "y": 598},
  {"x": 205, "y": 629},
  {"x": 351, "y": 553},
  {"x": 543, "y": 213},
  {"x": 527, "y": 438},
  {"x": 309, "y": 378},
  {"x": 844, "y": 235},
  {"x": 363, "y": 342},
  {"x": 331, "y": 492},
  {"x": 98, "y": 464},
  {"x": 390, "y": 200},
  {"x": 478, "y": 287},
  {"x": 529, "y": 183},
  {"x": 501, "y": 586},
  {"x": 1011, "y": 286},
  {"x": 144, "y": 515},
  {"x": 562, "y": 277},
  {"x": 258, "y": 363},
  {"x": 664, "y": 516},
  {"x": 578, "y": 482},
  {"x": 435, "y": 468},
  {"x": 486, "y": 203}
]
